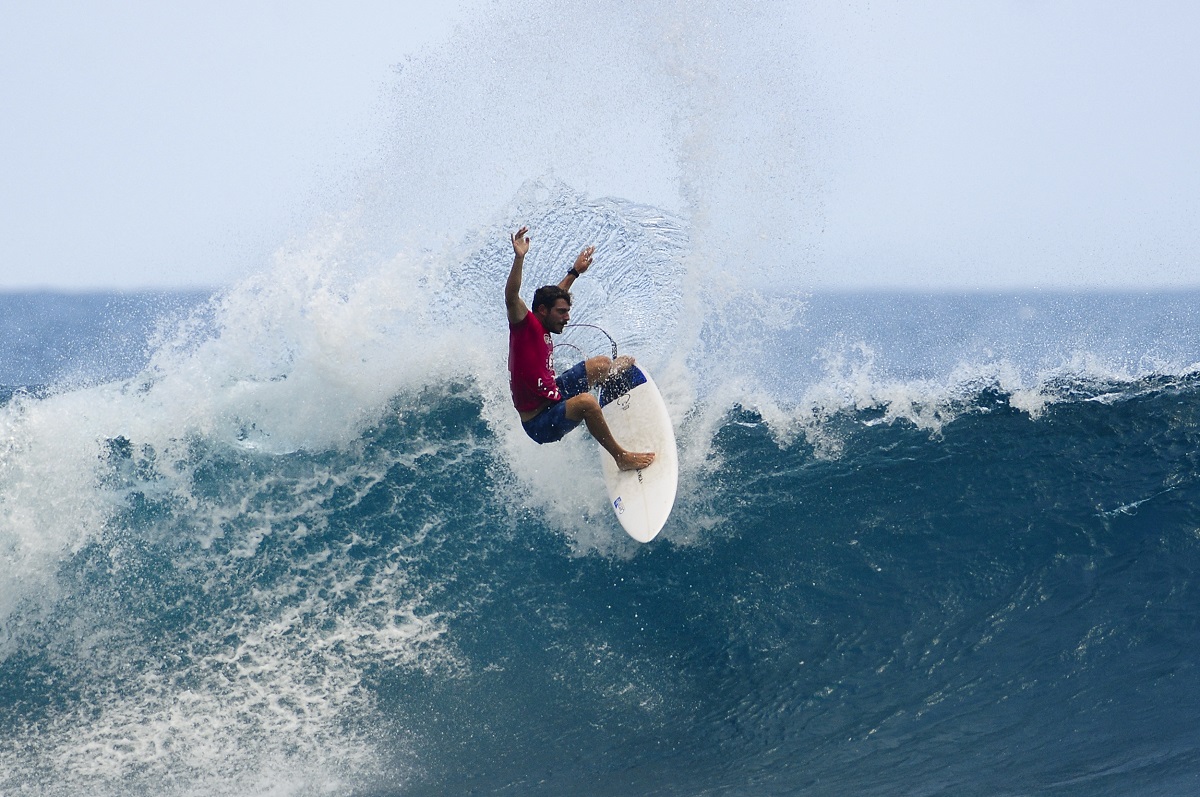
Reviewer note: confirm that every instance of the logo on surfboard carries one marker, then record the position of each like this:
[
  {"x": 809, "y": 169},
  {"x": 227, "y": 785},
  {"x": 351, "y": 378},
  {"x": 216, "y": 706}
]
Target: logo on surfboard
[{"x": 617, "y": 505}]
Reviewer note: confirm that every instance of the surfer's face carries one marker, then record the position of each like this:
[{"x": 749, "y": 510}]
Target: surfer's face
[{"x": 556, "y": 317}]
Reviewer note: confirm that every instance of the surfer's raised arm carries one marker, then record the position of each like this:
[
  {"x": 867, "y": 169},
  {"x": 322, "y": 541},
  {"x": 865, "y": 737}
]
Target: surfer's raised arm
[
  {"x": 582, "y": 263},
  {"x": 512, "y": 289}
]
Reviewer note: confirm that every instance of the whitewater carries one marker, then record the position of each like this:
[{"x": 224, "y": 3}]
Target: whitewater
[{"x": 288, "y": 538}]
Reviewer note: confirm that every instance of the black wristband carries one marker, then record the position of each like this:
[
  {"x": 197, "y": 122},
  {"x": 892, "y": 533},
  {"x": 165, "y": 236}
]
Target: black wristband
[{"x": 573, "y": 272}]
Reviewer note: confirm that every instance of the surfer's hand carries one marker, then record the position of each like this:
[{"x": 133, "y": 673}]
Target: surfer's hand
[
  {"x": 520, "y": 242},
  {"x": 584, "y": 261}
]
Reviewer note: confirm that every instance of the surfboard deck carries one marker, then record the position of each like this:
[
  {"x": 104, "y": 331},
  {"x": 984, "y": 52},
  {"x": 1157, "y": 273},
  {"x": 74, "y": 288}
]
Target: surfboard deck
[{"x": 637, "y": 415}]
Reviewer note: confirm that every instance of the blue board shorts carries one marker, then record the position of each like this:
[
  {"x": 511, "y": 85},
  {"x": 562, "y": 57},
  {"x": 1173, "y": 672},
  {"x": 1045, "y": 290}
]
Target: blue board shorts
[{"x": 552, "y": 424}]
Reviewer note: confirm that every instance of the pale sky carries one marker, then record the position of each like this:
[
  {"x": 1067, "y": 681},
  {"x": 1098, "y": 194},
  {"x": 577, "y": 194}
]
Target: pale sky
[
  {"x": 150, "y": 144},
  {"x": 927, "y": 144}
]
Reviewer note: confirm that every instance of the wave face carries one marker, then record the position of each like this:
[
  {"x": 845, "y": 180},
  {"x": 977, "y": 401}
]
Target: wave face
[{"x": 279, "y": 569}]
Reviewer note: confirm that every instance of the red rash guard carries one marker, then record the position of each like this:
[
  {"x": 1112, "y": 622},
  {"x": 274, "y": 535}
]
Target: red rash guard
[{"x": 531, "y": 364}]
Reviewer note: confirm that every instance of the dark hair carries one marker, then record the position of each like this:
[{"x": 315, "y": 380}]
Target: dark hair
[{"x": 549, "y": 295}]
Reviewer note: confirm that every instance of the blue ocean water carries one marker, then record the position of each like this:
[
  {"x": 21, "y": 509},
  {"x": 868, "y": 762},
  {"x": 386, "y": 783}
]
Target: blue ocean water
[
  {"x": 292, "y": 541},
  {"x": 63, "y": 337}
]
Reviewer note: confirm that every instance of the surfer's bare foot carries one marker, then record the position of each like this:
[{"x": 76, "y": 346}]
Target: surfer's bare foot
[{"x": 631, "y": 460}]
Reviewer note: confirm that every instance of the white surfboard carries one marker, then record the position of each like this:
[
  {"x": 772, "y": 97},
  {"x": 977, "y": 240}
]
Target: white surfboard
[{"x": 637, "y": 416}]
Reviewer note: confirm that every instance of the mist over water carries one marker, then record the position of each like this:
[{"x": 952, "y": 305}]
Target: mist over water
[
  {"x": 302, "y": 546},
  {"x": 699, "y": 109}
]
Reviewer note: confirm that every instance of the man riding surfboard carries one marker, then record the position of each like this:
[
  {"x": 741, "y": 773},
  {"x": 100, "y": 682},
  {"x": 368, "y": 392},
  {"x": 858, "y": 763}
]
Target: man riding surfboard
[{"x": 550, "y": 406}]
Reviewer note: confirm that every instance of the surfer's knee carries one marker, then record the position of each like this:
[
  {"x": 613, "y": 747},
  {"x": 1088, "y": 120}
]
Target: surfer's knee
[
  {"x": 583, "y": 406},
  {"x": 598, "y": 368}
]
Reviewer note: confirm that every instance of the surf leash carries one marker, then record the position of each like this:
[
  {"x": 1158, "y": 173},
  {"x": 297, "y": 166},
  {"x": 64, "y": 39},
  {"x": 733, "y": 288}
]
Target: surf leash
[{"x": 612, "y": 342}]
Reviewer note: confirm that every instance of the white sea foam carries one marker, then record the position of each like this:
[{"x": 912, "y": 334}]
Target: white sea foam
[
  {"x": 291, "y": 362},
  {"x": 264, "y": 694}
]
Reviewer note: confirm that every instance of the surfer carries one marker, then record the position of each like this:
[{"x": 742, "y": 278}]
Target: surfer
[{"x": 550, "y": 405}]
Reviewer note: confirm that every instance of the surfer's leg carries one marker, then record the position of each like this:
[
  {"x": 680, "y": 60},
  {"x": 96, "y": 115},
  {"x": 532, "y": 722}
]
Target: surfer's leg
[
  {"x": 575, "y": 381},
  {"x": 550, "y": 425},
  {"x": 586, "y": 408},
  {"x": 600, "y": 368}
]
